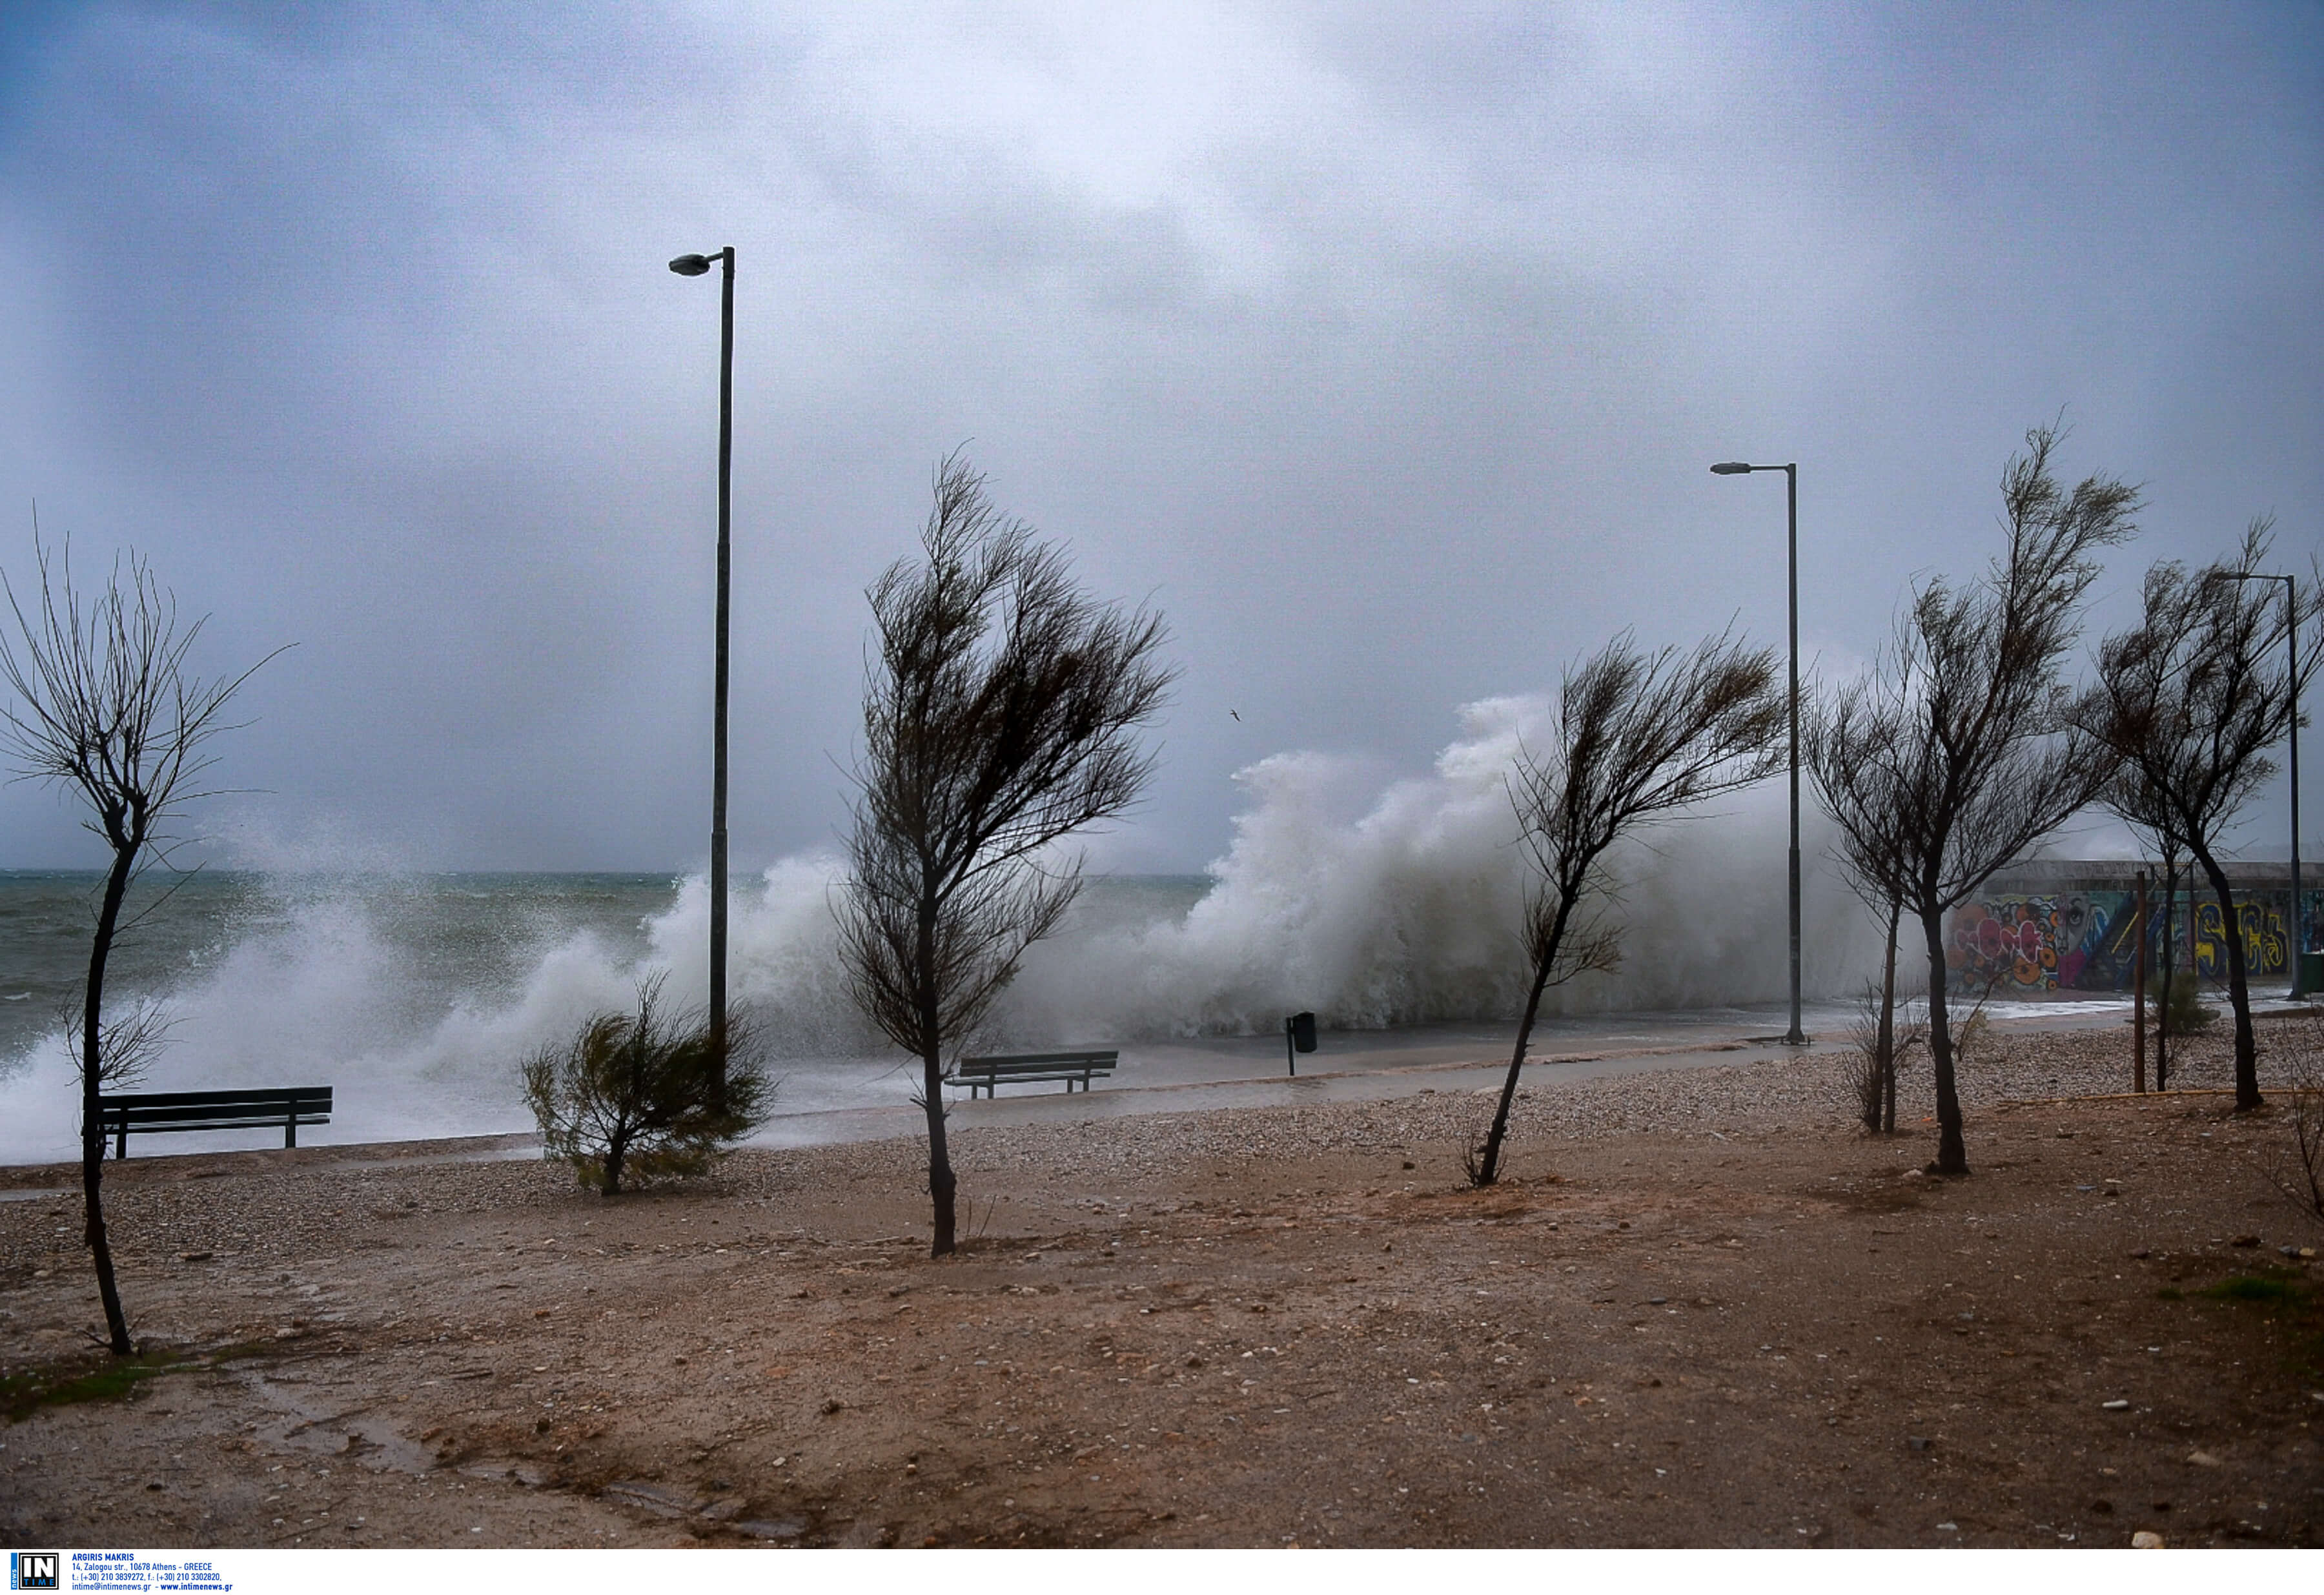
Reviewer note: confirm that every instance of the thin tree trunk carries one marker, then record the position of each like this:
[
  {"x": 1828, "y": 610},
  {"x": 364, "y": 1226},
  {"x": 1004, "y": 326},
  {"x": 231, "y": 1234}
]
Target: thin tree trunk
[
  {"x": 1489, "y": 1162},
  {"x": 617, "y": 1148},
  {"x": 92, "y": 1125},
  {"x": 943, "y": 1237},
  {"x": 1883, "y": 1109},
  {"x": 2247, "y": 1097},
  {"x": 1952, "y": 1152}
]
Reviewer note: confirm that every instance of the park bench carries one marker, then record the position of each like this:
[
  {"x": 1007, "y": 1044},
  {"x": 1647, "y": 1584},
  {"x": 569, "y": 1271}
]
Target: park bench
[
  {"x": 152, "y": 1112},
  {"x": 982, "y": 1074}
]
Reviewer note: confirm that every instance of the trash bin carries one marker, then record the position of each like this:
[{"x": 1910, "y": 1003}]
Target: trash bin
[{"x": 2311, "y": 973}]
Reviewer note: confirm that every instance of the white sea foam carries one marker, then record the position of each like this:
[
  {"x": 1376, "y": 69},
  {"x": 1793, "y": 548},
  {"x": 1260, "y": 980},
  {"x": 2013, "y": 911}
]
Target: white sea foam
[
  {"x": 1406, "y": 913},
  {"x": 1374, "y": 905}
]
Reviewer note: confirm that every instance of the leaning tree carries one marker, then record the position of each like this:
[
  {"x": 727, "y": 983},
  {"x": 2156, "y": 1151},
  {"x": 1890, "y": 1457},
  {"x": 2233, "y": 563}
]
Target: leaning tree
[
  {"x": 107, "y": 708},
  {"x": 1962, "y": 749},
  {"x": 2191, "y": 698},
  {"x": 998, "y": 719},
  {"x": 1863, "y": 796},
  {"x": 1639, "y": 737},
  {"x": 2148, "y": 811}
]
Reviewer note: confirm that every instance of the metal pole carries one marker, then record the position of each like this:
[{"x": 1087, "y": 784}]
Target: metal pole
[
  {"x": 2291, "y": 650},
  {"x": 1795, "y": 1037},
  {"x": 2139, "y": 997},
  {"x": 718, "y": 756}
]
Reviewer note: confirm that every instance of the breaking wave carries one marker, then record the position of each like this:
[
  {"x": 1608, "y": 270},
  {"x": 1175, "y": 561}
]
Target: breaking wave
[{"x": 1373, "y": 905}]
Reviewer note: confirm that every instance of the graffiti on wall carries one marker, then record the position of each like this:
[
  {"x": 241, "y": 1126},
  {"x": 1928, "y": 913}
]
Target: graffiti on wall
[
  {"x": 2087, "y": 941},
  {"x": 2035, "y": 943},
  {"x": 2260, "y": 928}
]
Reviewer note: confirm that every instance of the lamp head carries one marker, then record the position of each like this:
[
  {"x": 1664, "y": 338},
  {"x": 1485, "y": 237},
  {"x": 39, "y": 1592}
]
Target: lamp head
[
  {"x": 690, "y": 265},
  {"x": 1729, "y": 468}
]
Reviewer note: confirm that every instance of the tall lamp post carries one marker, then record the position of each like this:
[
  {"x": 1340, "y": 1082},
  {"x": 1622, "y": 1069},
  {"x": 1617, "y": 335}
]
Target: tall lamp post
[
  {"x": 2291, "y": 656},
  {"x": 695, "y": 265},
  {"x": 1795, "y": 1037}
]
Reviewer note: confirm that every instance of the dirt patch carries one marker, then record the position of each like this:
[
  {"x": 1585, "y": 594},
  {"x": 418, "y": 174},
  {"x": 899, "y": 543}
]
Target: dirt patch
[{"x": 1735, "y": 1327}]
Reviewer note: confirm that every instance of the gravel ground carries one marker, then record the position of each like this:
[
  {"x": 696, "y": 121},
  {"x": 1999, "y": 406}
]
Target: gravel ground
[
  {"x": 276, "y": 1205},
  {"x": 1702, "y": 1309}
]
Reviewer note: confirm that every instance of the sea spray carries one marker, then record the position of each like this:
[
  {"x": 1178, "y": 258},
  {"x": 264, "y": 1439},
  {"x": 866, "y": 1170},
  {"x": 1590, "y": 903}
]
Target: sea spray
[
  {"x": 1373, "y": 904},
  {"x": 1406, "y": 912}
]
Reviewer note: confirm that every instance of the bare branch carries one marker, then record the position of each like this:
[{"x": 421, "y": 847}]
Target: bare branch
[
  {"x": 1639, "y": 736},
  {"x": 106, "y": 705},
  {"x": 2190, "y": 700},
  {"x": 1962, "y": 750}
]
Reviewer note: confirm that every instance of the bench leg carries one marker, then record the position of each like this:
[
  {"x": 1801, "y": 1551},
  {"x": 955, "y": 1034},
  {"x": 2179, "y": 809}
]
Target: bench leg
[
  {"x": 291, "y": 1131},
  {"x": 121, "y": 1144}
]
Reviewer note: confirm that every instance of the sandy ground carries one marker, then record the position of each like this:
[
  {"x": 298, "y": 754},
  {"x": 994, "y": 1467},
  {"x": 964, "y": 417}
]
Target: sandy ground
[{"x": 1704, "y": 1311}]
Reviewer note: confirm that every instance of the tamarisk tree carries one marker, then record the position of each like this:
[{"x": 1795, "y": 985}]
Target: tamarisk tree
[
  {"x": 998, "y": 720},
  {"x": 1961, "y": 750},
  {"x": 1639, "y": 737},
  {"x": 2140, "y": 805},
  {"x": 2191, "y": 698},
  {"x": 107, "y": 708},
  {"x": 1872, "y": 815}
]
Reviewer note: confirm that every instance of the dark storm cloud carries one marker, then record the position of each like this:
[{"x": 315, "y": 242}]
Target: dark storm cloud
[{"x": 1384, "y": 349}]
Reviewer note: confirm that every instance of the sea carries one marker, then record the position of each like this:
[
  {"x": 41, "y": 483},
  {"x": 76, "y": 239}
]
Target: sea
[{"x": 417, "y": 994}]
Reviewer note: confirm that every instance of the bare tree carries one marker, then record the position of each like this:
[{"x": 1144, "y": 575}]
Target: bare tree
[
  {"x": 2295, "y": 1165},
  {"x": 2190, "y": 698},
  {"x": 1880, "y": 1039},
  {"x": 1639, "y": 737},
  {"x": 1960, "y": 751},
  {"x": 108, "y": 709},
  {"x": 998, "y": 720},
  {"x": 1863, "y": 798},
  {"x": 2141, "y": 807}
]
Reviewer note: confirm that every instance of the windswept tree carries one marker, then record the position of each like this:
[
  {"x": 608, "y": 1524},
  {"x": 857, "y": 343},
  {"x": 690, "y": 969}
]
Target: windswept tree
[
  {"x": 1960, "y": 750},
  {"x": 2191, "y": 698},
  {"x": 1638, "y": 737},
  {"x": 2136, "y": 801},
  {"x": 106, "y": 707},
  {"x": 998, "y": 719},
  {"x": 643, "y": 1095},
  {"x": 1872, "y": 815}
]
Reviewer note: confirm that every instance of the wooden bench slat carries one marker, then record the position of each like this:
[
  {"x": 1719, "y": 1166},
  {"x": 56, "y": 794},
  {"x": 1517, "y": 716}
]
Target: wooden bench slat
[
  {"x": 1092, "y": 1054},
  {"x": 187, "y": 1120},
  {"x": 276, "y": 1105},
  {"x": 276, "y": 1094}
]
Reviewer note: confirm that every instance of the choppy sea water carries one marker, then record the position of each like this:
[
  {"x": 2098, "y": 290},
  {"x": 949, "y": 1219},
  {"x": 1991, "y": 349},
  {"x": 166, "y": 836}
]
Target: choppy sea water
[{"x": 416, "y": 996}]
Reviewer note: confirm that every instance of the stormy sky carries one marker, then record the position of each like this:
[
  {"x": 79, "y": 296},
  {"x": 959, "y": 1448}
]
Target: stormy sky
[{"x": 1382, "y": 348}]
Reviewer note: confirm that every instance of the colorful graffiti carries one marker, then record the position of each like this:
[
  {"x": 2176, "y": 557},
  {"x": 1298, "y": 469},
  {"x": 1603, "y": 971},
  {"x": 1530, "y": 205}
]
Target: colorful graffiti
[
  {"x": 2261, "y": 930},
  {"x": 2087, "y": 941}
]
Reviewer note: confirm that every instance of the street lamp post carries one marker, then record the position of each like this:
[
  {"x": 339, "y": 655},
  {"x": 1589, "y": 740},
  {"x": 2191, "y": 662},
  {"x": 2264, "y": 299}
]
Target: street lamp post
[
  {"x": 2292, "y": 657},
  {"x": 1795, "y": 1037},
  {"x": 695, "y": 265}
]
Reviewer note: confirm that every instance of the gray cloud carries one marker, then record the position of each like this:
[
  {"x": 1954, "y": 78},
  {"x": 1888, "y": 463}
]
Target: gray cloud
[{"x": 1383, "y": 349}]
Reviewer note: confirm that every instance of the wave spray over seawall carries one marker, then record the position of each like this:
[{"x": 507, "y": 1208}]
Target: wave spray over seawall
[{"x": 1373, "y": 903}]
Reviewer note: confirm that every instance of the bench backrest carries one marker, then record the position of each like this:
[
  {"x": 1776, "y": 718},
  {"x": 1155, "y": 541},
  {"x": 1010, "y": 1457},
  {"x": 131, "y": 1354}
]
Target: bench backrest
[
  {"x": 215, "y": 1109},
  {"x": 1026, "y": 1063}
]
